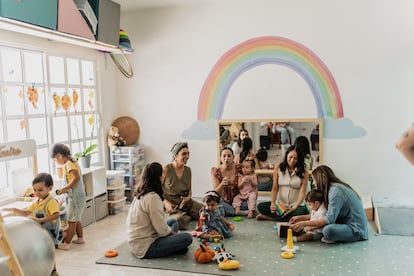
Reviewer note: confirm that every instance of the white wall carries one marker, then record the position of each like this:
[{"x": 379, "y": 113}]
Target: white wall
[{"x": 367, "y": 46}]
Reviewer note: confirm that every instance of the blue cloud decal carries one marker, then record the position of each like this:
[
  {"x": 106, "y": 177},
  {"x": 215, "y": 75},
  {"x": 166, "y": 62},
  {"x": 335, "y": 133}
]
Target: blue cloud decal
[
  {"x": 201, "y": 130},
  {"x": 342, "y": 128}
]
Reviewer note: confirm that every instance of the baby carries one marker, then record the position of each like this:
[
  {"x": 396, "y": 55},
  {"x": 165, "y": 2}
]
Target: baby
[{"x": 247, "y": 185}]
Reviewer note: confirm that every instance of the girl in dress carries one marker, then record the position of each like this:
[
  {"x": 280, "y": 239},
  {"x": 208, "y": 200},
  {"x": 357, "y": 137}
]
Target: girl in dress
[{"x": 212, "y": 222}]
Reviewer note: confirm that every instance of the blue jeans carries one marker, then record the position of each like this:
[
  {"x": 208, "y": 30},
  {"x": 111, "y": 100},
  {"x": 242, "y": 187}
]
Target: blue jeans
[
  {"x": 340, "y": 232},
  {"x": 173, "y": 223},
  {"x": 170, "y": 245}
]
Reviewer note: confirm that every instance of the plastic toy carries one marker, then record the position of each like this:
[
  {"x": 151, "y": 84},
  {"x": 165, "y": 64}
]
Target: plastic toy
[
  {"x": 238, "y": 218},
  {"x": 229, "y": 265},
  {"x": 280, "y": 209},
  {"x": 111, "y": 253},
  {"x": 287, "y": 255},
  {"x": 289, "y": 245}
]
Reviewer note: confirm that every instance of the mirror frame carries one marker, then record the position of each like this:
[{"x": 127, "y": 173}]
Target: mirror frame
[{"x": 297, "y": 120}]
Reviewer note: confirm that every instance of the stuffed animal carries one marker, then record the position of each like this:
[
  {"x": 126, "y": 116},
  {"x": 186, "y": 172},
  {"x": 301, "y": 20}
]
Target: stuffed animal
[
  {"x": 114, "y": 139},
  {"x": 222, "y": 256}
]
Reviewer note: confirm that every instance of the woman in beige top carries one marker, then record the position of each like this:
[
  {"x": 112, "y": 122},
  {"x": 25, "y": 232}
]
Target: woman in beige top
[
  {"x": 290, "y": 180},
  {"x": 177, "y": 187},
  {"x": 149, "y": 234}
]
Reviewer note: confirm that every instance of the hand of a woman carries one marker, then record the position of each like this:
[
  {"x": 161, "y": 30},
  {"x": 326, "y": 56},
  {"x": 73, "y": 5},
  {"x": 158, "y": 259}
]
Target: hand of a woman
[
  {"x": 289, "y": 210},
  {"x": 225, "y": 181},
  {"x": 183, "y": 202},
  {"x": 169, "y": 207},
  {"x": 272, "y": 208}
]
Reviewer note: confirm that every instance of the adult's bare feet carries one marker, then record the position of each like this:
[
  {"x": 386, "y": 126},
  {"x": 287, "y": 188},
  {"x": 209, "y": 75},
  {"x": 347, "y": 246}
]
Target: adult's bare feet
[{"x": 263, "y": 217}]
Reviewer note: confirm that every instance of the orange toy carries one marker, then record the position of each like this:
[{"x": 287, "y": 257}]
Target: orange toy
[{"x": 111, "y": 253}]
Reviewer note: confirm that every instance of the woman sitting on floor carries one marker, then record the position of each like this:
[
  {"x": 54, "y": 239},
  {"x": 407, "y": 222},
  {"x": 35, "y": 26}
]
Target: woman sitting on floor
[
  {"x": 149, "y": 235},
  {"x": 345, "y": 219},
  {"x": 290, "y": 180}
]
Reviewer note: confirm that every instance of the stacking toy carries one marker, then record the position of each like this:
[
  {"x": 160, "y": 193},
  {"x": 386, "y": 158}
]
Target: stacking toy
[{"x": 289, "y": 245}]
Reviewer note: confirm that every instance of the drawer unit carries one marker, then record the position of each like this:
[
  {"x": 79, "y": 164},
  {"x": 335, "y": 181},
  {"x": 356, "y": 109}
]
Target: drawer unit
[
  {"x": 101, "y": 206},
  {"x": 88, "y": 215}
]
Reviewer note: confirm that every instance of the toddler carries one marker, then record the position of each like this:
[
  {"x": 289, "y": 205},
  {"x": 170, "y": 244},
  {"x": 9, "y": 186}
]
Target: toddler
[
  {"x": 212, "y": 222},
  {"x": 264, "y": 182},
  {"x": 315, "y": 200},
  {"x": 247, "y": 185},
  {"x": 45, "y": 210},
  {"x": 73, "y": 188}
]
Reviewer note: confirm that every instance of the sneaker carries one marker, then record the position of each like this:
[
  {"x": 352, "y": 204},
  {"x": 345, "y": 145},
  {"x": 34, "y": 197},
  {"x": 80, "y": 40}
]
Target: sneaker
[
  {"x": 64, "y": 246},
  {"x": 78, "y": 241},
  {"x": 325, "y": 240}
]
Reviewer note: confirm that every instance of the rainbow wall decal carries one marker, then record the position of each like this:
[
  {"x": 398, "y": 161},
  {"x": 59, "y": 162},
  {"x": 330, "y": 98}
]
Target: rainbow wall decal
[{"x": 269, "y": 50}]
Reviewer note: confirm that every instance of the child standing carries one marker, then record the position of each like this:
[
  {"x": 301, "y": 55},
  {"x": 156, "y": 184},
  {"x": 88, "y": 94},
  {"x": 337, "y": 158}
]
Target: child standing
[
  {"x": 45, "y": 210},
  {"x": 212, "y": 222},
  {"x": 247, "y": 185},
  {"x": 264, "y": 182},
  {"x": 75, "y": 193},
  {"x": 315, "y": 200}
]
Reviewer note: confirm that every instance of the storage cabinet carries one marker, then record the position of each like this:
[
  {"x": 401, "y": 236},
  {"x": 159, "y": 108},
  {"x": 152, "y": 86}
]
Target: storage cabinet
[
  {"x": 131, "y": 160},
  {"x": 96, "y": 208}
]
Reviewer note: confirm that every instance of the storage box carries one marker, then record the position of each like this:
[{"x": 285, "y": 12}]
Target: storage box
[
  {"x": 115, "y": 179},
  {"x": 108, "y": 14},
  {"x": 37, "y": 12},
  {"x": 117, "y": 206},
  {"x": 88, "y": 215},
  {"x": 71, "y": 21},
  {"x": 117, "y": 193},
  {"x": 101, "y": 206}
]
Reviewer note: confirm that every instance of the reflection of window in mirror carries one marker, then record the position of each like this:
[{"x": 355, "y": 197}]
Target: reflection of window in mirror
[{"x": 267, "y": 134}]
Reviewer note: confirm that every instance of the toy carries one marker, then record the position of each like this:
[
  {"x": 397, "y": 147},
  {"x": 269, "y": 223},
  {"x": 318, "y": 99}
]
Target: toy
[
  {"x": 289, "y": 245},
  {"x": 238, "y": 218},
  {"x": 280, "y": 209},
  {"x": 287, "y": 255},
  {"x": 204, "y": 254},
  {"x": 114, "y": 139},
  {"x": 111, "y": 253},
  {"x": 222, "y": 256},
  {"x": 229, "y": 265}
]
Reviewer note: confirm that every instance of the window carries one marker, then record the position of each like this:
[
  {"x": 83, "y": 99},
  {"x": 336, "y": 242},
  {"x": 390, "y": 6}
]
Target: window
[{"x": 50, "y": 99}]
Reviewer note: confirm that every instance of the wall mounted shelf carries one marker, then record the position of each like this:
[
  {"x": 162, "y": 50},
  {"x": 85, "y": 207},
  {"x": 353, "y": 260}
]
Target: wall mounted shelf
[{"x": 33, "y": 30}]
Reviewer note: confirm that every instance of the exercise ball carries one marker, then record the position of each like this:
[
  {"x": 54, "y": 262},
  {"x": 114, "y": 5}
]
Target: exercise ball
[{"x": 32, "y": 245}]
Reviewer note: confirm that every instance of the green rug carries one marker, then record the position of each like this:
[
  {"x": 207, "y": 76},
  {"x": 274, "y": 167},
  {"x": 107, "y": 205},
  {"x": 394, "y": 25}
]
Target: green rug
[{"x": 258, "y": 249}]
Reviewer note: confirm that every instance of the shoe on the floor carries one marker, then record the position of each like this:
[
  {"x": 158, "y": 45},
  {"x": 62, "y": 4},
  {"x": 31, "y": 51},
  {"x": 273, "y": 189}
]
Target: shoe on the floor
[
  {"x": 64, "y": 246},
  {"x": 78, "y": 241},
  {"x": 325, "y": 240}
]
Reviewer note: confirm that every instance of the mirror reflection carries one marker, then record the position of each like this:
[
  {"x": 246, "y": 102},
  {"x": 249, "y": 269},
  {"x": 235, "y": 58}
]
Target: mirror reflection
[{"x": 269, "y": 139}]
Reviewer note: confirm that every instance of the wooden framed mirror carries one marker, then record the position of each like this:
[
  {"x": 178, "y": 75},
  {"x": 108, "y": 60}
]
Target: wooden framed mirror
[{"x": 275, "y": 135}]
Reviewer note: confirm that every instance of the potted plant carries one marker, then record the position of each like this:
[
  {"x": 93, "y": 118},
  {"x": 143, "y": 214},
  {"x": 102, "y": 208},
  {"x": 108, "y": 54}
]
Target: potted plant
[{"x": 85, "y": 155}]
